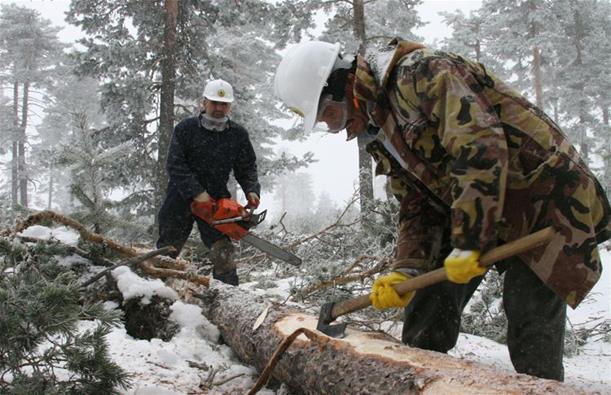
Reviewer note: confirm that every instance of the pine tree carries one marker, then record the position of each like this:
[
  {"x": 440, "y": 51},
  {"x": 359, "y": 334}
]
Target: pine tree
[
  {"x": 27, "y": 43},
  {"x": 5, "y": 141},
  {"x": 583, "y": 61},
  {"x": 67, "y": 96},
  {"x": 41, "y": 348},
  {"x": 90, "y": 161},
  {"x": 470, "y": 39},
  {"x": 209, "y": 43},
  {"x": 357, "y": 24},
  {"x": 519, "y": 35}
]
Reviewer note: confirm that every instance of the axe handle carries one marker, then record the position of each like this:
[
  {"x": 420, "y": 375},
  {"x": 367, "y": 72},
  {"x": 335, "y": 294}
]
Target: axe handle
[{"x": 507, "y": 250}]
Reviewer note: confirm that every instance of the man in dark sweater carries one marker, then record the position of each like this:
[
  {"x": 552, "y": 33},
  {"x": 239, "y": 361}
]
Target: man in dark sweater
[{"x": 203, "y": 151}]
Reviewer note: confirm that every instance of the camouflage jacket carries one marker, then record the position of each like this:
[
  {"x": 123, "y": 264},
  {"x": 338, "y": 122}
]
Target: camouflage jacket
[{"x": 472, "y": 149}]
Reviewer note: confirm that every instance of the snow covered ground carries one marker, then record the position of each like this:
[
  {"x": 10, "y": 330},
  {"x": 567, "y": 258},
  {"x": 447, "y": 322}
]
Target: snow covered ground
[{"x": 193, "y": 361}]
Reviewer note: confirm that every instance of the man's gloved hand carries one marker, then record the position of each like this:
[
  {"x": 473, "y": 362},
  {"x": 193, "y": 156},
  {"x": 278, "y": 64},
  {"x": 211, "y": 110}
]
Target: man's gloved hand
[
  {"x": 202, "y": 197},
  {"x": 462, "y": 265},
  {"x": 253, "y": 200},
  {"x": 203, "y": 206},
  {"x": 384, "y": 296}
]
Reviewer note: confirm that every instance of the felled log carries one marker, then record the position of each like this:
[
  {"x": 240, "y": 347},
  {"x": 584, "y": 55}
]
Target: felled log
[{"x": 360, "y": 363}]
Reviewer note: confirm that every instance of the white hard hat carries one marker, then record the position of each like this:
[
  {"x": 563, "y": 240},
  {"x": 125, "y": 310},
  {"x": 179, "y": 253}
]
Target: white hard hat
[
  {"x": 301, "y": 76},
  {"x": 219, "y": 90}
]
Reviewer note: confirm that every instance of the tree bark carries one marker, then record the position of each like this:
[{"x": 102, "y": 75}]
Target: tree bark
[
  {"x": 537, "y": 77},
  {"x": 536, "y": 64},
  {"x": 360, "y": 363},
  {"x": 166, "y": 100},
  {"x": 358, "y": 18},
  {"x": 15, "y": 150},
  {"x": 51, "y": 185},
  {"x": 607, "y": 155},
  {"x": 365, "y": 164},
  {"x": 584, "y": 149},
  {"x": 23, "y": 174}
]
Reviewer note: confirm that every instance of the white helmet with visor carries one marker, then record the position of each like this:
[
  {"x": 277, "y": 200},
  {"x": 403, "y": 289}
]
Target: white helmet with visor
[{"x": 300, "y": 78}]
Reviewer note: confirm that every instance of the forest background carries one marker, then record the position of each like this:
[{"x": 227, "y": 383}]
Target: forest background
[
  {"x": 86, "y": 114},
  {"x": 88, "y": 105}
]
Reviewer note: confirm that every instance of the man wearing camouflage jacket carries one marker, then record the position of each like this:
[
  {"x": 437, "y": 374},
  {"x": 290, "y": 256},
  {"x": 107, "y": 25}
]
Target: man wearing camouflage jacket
[{"x": 474, "y": 165}]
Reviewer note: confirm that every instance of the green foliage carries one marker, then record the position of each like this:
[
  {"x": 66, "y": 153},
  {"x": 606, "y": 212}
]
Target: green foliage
[
  {"x": 230, "y": 40},
  {"x": 344, "y": 244},
  {"x": 41, "y": 348},
  {"x": 573, "y": 39},
  {"x": 484, "y": 316}
]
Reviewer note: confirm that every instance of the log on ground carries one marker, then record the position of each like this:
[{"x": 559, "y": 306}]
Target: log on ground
[{"x": 360, "y": 363}]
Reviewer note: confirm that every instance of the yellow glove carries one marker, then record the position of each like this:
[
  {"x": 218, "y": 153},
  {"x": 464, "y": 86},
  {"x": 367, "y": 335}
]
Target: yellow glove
[
  {"x": 462, "y": 265},
  {"x": 384, "y": 296}
]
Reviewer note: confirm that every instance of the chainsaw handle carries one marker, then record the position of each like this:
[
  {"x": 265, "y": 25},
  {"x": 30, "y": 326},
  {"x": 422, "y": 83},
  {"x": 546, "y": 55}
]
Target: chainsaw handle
[{"x": 499, "y": 253}]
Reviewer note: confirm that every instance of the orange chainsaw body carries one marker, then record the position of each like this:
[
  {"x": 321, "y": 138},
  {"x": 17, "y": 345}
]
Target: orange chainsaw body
[{"x": 229, "y": 209}]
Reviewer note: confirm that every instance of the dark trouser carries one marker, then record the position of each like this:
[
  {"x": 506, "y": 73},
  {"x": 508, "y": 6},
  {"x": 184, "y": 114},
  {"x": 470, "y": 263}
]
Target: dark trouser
[
  {"x": 536, "y": 318},
  {"x": 175, "y": 225}
]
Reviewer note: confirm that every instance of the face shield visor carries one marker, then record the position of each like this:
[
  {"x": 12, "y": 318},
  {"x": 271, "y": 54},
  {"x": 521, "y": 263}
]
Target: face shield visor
[{"x": 332, "y": 115}]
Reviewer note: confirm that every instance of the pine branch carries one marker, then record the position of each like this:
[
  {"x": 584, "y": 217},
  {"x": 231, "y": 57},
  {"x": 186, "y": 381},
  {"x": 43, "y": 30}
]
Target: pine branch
[{"x": 97, "y": 260}]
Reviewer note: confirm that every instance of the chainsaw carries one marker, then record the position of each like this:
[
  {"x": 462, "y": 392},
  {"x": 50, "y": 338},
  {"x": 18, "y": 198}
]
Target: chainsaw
[{"x": 235, "y": 221}]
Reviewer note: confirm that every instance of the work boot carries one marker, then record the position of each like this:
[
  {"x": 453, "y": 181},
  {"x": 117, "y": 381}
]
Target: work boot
[
  {"x": 222, "y": 257},
  {"x": 230, "y": 277}
]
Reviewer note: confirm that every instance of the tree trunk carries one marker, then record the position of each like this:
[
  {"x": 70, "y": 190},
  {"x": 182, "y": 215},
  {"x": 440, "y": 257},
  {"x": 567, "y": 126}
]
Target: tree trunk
[
  {"x": 536, "y": 63},
  {"x": 365, "y": 177},
  {"x": 360, "y": 363},
  {"x": 580, "y": 85},
  {"x": 607, "y": 154},
  {"x": 23, "y": 174},
  {"x": 166, "y": 100},
  {"x": 536, "y": 52},
  {"x": 358, "y": 18},
  {"x": 537, "y": 77},
  {"x": 51, "y": 186},
  {"x": 15, "y": 150},
  {"x": 365, "y": 164}
]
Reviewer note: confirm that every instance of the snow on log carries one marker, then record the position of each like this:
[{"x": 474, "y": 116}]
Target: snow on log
[{"x": 360, "y": 363}]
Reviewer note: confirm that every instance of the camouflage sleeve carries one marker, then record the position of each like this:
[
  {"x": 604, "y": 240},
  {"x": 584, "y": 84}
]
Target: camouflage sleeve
[
  {"x": 469, "y": 130},
  {"x": 421, "y": 230},
  {"x": 421, "y": 222}
]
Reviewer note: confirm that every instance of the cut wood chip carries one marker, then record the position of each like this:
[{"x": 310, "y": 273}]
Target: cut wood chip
[{"x": 261, "y": 318}]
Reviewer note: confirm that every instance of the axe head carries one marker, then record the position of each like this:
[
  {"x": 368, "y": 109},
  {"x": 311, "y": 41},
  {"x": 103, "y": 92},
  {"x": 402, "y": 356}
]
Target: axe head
[{"x": 326, "y": 318}]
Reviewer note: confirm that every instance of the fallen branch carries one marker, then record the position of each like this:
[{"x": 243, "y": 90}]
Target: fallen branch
[
  {"x": 147, "y": 266},
  {"x": 85, "y": 234},
  {"x": 291, "y": 246},
  {"x": 305, "y": 292},
  {"x": 131, "y": 262},
  {"x": 267, "y": 371},
  {"x": 97, "y": 260},
  {"x": 336, "y": 224},
  {"x": 228, "y": 379}
]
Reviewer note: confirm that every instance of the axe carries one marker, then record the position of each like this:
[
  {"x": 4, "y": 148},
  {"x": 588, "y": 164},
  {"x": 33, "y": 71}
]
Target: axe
[{"x": 330, "y": 311}]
